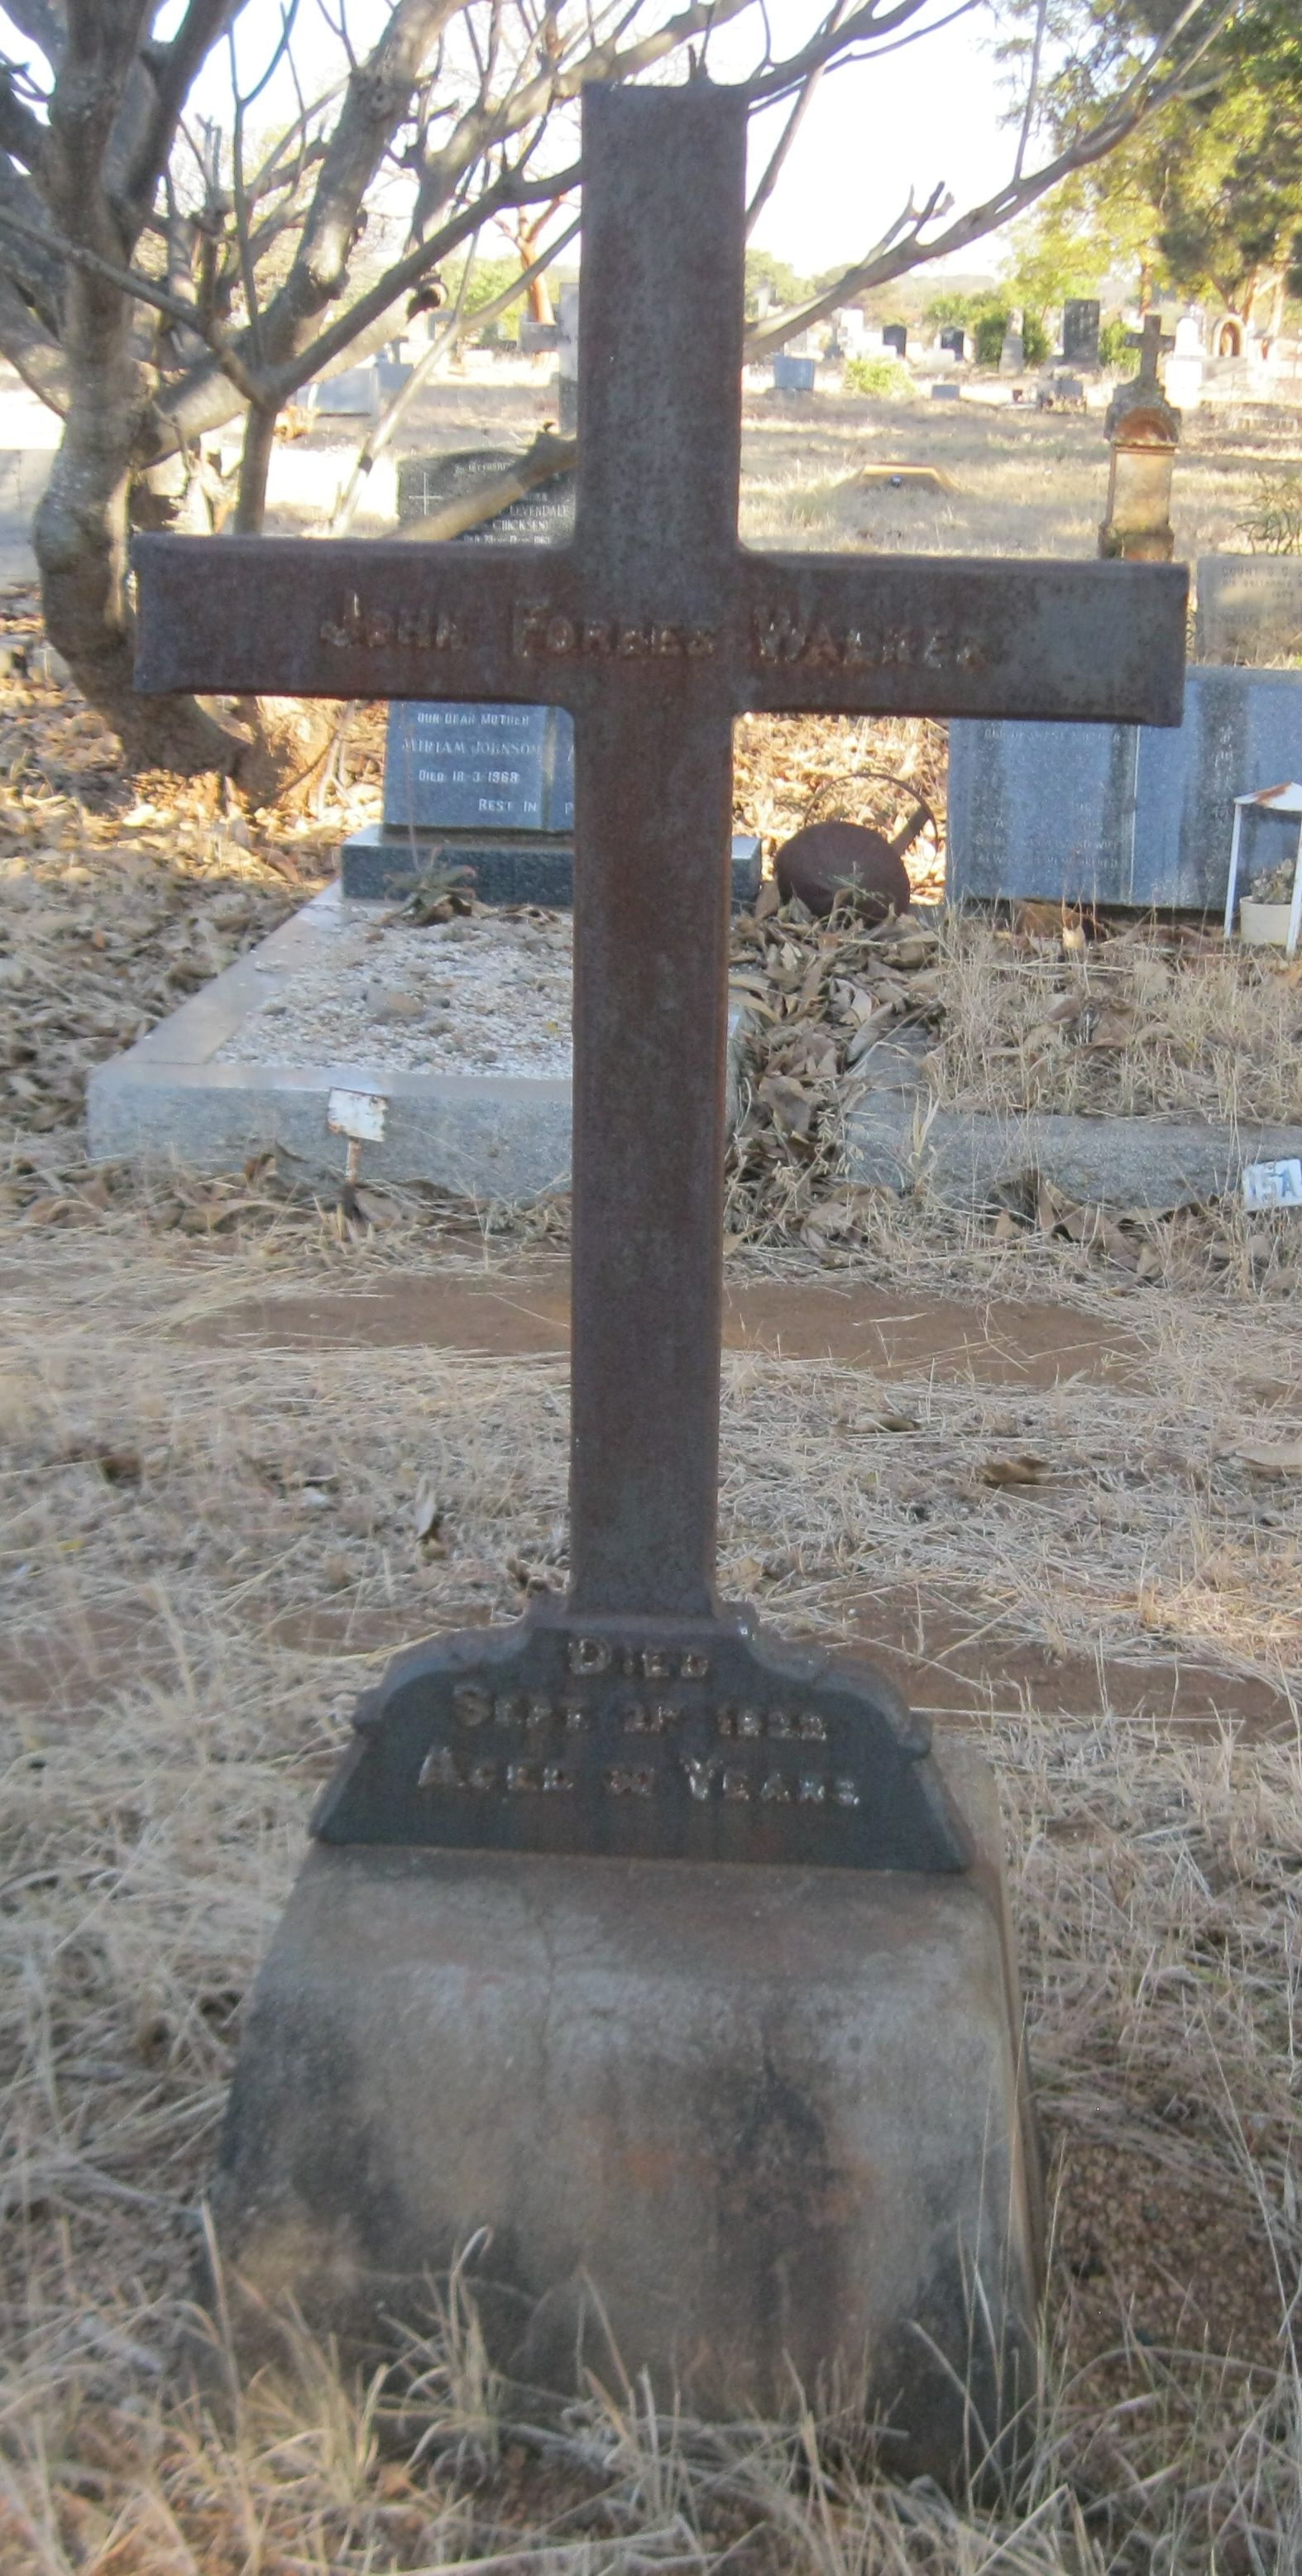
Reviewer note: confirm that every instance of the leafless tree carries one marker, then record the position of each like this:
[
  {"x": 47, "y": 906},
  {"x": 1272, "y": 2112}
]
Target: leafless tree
[{"x": 156, "y": 283}]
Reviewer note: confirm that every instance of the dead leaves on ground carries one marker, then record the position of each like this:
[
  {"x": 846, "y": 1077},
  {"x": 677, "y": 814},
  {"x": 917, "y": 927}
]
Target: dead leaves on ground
[{"x": 818, "y": 997}]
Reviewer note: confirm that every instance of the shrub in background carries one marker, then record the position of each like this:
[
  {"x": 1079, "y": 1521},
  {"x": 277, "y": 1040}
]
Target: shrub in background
[{"x": 877, "y": 376}]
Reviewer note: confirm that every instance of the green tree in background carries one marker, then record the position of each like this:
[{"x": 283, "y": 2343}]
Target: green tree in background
[{"x": 1206, "y": 197}]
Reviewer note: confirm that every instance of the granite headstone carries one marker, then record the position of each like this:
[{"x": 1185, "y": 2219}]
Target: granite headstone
[
  {"x": 895, "y": 336},
  {"x": 1081, "y": 315},
  {"x": 1121, "y": 814},
  {"x": 1249, "y": 607},
  {"x": 793, "y": 375}
]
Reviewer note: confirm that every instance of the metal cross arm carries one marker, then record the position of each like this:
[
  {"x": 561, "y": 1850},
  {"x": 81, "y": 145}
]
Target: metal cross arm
[{"x": 655, "y": 628}]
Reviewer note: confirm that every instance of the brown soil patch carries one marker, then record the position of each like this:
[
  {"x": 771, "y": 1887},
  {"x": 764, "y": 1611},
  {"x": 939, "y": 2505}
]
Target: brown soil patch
[
  {"x": 1185, "y": 2267},
  {"x": 526, "y": 1315}
]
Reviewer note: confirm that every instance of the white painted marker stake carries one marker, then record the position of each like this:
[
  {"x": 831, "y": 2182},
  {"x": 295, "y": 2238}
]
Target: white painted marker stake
[
  {"x": 359, "y": 1115},
  {"x": 1273, "y": 1184}
]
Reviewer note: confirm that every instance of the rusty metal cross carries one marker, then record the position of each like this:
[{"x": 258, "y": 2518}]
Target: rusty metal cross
[{"x": 635, "y": 1717}]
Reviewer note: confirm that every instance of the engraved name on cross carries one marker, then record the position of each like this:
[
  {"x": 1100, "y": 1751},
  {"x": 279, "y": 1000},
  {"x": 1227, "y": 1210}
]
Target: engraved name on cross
[{"x": 636, "y": 1716}]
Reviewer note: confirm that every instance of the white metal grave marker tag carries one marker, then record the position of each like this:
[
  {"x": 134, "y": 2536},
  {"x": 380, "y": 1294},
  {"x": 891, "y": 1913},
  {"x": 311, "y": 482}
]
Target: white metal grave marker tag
[
  {"x": 1273, "y": 1184},
  {"x": 360, "y": 1114}
]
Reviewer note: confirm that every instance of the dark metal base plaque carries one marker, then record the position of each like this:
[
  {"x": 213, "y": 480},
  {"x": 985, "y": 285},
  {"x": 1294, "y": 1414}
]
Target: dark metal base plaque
[{"x": 648, "y": 1739}]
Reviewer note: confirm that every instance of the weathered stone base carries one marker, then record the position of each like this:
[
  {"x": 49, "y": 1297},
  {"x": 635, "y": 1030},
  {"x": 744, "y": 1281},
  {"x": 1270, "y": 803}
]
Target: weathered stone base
[{"x": 747, "y": 2128}]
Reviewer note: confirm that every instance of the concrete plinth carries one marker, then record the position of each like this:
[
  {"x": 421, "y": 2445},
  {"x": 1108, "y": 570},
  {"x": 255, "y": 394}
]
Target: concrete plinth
[{"x": 744, "y": 2128}]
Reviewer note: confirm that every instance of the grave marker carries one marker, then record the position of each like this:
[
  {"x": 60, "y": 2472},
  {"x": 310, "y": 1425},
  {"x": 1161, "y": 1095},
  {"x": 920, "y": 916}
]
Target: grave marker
[
  {"x": 463, "y": 784},
  {"x": 1081, "y": 316},
  {"x": 669, "y": 2081}
]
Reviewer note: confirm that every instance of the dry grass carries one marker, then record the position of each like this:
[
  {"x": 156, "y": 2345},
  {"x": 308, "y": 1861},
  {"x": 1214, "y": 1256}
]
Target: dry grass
[
  {"x": 1145, "y": 1023},
  {"x": 205, "y": 1538},
  {"x": 1024, "y": 482}
]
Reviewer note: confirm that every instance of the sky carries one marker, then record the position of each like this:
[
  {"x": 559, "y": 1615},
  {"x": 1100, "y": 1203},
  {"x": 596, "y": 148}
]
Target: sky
[{"x": 927, "y": 112}]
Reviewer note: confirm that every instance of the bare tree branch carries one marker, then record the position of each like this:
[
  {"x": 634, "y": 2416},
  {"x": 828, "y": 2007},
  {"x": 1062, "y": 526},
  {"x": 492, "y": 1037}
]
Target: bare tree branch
[
  {"x": 144, "y": 290},
  {"x": 1141, "y": 99},
  {"x": 782, "y": 147},
  {"x": 173, "y": 67}
]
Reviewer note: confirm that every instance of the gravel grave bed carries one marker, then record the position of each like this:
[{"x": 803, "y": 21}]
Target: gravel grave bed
[{"x": 487, "y": 994}]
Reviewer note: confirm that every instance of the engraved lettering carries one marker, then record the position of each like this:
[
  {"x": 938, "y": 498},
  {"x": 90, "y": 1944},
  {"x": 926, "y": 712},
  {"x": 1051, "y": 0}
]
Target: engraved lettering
[
  {"x": 346, "y": 629},
  {"x": 641, "y": 1720},
  {"x": 812, "y": 1791},
  {"x": 523, "y": 1775},
  {"x": 666, "y": 639},
  {"x": 541, "y": 1714},
  {"x": 700, "y": 1776},
  {"x": 858, "y": 650},
  {"x": 700, "y": 642},
  {"x": 622, "y": 1783},
  {"x": 845, "y": 1793},
  {"x": 471, "y": 1704},
  {"x": 439, "y": 1770},
  {"x": 632, "y": 642},
  {"x": 781, "y": 1726},
  {"x": 596, "y": 637},
  {"x": 736, "y": 1785},
  {"x": 508, "y": 1711},
  {"x": 379, "y": 629},
  {"x": 933, "y": 653},
  {"x": 529, "y": 629},
  {"x": 778, "y": 637},
  {"x": 695, "y": 1667},
  {"x": 822, "y": 647},
  {"x": 560, "y": 635},
  {"x": 589, "y": 1655},
  {"x": 482, "y": 1776},
  {"x": 657, "y": 1664},
  {"x": 448, "y": 636},
  {"x": 775, "y": 1790},
  {"x": 812, "y": 1729},
  {"x": 575, "y": 1719},
  {"x": 554, "y": 1778}
]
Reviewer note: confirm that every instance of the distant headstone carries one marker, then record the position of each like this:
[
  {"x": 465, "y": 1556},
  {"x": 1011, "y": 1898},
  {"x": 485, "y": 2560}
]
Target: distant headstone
[
  {"x": 567, "y": 356},
  {"x": 545, "y": 517},
  {"x": 1186, "y": 366},
  {"x": 954, "y": 341},
  {"x": 1119, "y": 814},
  {"x": 946, "y": 393},
  {"x": 536, "y": 337},
  {"x": 1012, "y": 356},
  {"x": 354, "y": 395},
  {"x": 895, "y": 336},
  {"x": 1249, "y": 607},
  {"x": 1081, "y": 315},
  {"x": 793, "y": 375}
]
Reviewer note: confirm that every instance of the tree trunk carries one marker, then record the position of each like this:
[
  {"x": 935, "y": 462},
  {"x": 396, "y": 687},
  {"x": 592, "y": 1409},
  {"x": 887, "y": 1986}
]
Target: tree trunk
[{"x": 81, "y": 535}]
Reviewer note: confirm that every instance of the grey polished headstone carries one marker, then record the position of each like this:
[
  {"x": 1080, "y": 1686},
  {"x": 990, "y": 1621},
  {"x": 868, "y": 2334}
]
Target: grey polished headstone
[
  {"x": 793, "y": 375},
  {"x": 1081, "y": 315},
  {"x": 1125, "y": 814},
  {"x": 1249, "y": 609},
  {"x": 479, "y": 768}
]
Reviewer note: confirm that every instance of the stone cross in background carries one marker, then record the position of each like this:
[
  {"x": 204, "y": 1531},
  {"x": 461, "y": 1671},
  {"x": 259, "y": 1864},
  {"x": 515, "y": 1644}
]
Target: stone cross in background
[
  {"x": 770, "y": 2111},
  {"x": 1143, "y": 431}
]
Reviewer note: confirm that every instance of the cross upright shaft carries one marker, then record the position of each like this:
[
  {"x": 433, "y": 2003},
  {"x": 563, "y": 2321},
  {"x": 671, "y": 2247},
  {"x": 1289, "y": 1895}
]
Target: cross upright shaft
[
  {"x": 655, "y": 628},
  {"x": 656, "y": 529}
]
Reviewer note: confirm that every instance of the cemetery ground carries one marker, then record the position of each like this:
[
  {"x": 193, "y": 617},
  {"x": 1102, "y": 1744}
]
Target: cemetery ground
[{"x": 1043, "y": 1460}]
